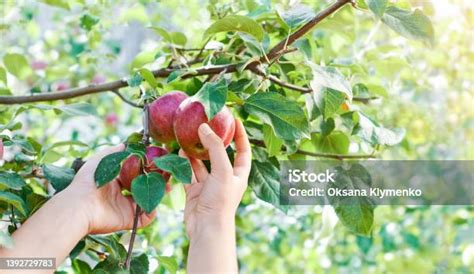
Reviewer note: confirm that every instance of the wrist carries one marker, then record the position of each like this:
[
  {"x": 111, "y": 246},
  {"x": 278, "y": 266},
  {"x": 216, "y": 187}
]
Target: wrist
[
  {"x": 78, "y": 203},
  {"x": 212, "y": 247},
  {"x": 214, "y": 226}
]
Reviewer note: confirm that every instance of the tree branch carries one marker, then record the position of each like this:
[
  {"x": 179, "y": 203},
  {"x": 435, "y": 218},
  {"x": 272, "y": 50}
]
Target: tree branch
[
  {"x": 320, "y": 154},
  {"x": 275, "y": 52}
]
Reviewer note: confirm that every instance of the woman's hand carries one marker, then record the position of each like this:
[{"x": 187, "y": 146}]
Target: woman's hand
[
  {"x": 214, "y": 197},
  {"x": 105, "y": 208},
  {"x": 212, "y": 200},
  {"x": 68, "y": 216}
]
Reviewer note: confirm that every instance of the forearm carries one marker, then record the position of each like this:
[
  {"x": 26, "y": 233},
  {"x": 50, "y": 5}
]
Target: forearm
[
  {"x": 52, "y": 232},
  {"x": 213, "y": 249}
]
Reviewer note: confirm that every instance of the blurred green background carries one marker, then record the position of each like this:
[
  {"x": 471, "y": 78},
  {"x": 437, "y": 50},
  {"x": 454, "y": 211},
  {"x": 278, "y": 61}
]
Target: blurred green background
[{"x": 429, "y": 91}]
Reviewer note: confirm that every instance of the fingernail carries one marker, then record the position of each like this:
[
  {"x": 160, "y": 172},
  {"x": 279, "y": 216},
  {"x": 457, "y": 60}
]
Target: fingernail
[{"x": 205, "y": 129}]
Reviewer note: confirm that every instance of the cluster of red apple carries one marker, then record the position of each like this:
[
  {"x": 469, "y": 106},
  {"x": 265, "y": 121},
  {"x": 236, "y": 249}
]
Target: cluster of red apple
[{"x": 175, "y": 118}]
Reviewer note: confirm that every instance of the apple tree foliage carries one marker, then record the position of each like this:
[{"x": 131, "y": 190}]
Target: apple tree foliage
[{"x": 304, "y": 78}]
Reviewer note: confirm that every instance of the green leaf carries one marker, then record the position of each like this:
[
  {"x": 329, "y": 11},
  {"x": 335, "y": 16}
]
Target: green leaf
[
  {"x": 236, "y": 23},
  {"x": 212, "y": 95},
  {"x": 374, "y": 133},
  {"x": 79, "y": 109},
  {"x": 68, "y": 143},
  {"x": 148, "y": 76},
  {"x": 148, "y": 190},
  {"x": 331, "y": 102},
  {"x": 179, "y": 167},
  {"x": 327, "y": 126},
  {"x": 336, "y": 142},
  {"x": 360, "y": 90},
  {"x": 297, "y": 15},
  {"x": 142, "y": 59},
  {"x": 264, "y": 180},
  {"x": 176, "y": 38},
  {"x": 64, "y": 4},
  {"x": 410, "y": 24},
  {"x": 377, "y": 6},
  {"x": 12, "y": 125},
  {"x": 11, "y": 180},
  {"x": 59, "y": 177},
  {"x": 139, "y": 264},
  {"x": 15, "y": 200},
  {"x": 3, "y": 76},
  {"x": 135, "y": 80},
  {"x": 51, "y": 156},
  {"x": 361, "y": 4},
  {"x": 175, "y": 75},
  {"x": 109, "y": 167},
  {"x": 25, "y": 145},
  {"x": 168, "y": 263},
  {"x": 77, "y": 249},
  {"x": 17, "y": 65},
  {"x": 286, "y": 117},
  {"x": 5, "y": 92},
  {"x": 87, "y": 21},
  {"x": 355, "y": 212},
  {"x": 272, "y": 142},
  {"x": 79, "y": 266},
  {"x": 134, "y": 138},
  {"x": 112, "y": 244},
  {"x": 138, "y": 149},
  {"x": 324, "y": 77}
]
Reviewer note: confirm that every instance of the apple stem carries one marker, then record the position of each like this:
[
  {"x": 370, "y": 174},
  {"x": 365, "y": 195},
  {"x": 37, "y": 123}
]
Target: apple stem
[{"x": 132, "y": 238}]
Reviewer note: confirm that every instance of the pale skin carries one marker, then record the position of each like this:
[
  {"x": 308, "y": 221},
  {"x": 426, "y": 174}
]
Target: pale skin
[{"x": 82, "y": 209}]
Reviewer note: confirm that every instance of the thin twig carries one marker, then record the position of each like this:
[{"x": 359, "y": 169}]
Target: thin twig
[
  {"x": 132, "y": 238},
  {"x": 126, "y": 100},
  {"x": 280, "y": 54},
  {"x": 199, "y": 54}
]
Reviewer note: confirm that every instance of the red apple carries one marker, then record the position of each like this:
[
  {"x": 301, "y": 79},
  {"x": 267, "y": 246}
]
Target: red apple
[
  {"x": 132, "y": 167},
  {"x": 162, "y": 113},
  {"x": 189, "y": 116}
]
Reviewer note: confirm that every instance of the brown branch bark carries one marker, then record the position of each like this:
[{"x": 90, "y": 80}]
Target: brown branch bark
[{"x": 275, "y": 52}]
